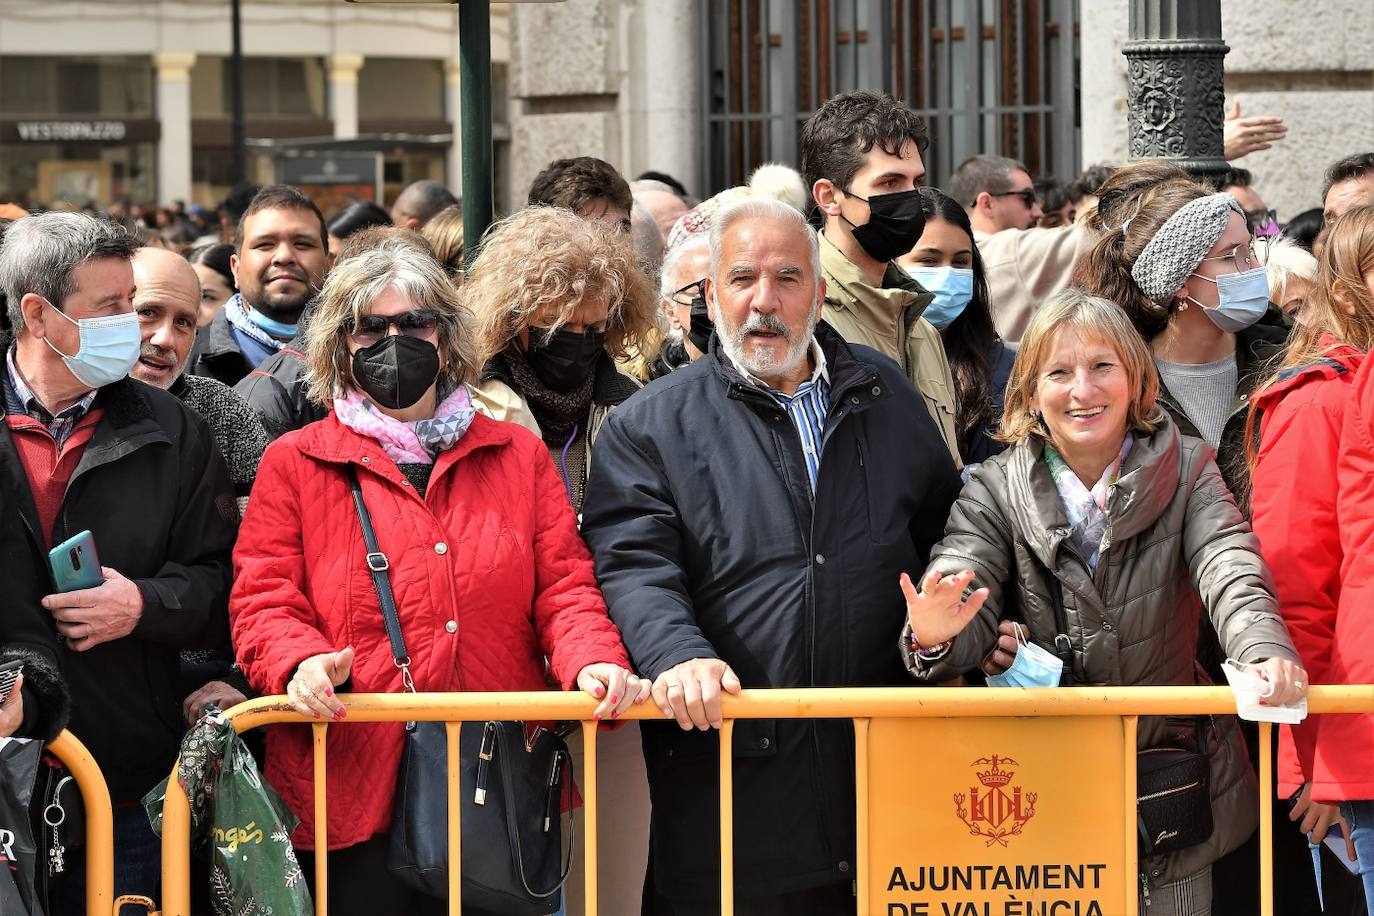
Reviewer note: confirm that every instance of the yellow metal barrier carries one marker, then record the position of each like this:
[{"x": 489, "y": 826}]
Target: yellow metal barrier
[
  {"x": 862, "y": 705},
  {"x": 95, "y": 796}
]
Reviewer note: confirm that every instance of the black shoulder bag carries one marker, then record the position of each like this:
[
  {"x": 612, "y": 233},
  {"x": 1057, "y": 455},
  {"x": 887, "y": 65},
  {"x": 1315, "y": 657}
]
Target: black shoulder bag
[
  {"x": 1173, "y": 800},
  {"x": 514, "y": 784}
]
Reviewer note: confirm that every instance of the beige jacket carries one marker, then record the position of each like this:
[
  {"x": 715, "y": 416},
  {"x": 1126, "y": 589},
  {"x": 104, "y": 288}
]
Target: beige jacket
[
  {"x": 499, "y": 401},
  {"x": 888, "y": 320},
  {"x": 1024, "y": 267}
]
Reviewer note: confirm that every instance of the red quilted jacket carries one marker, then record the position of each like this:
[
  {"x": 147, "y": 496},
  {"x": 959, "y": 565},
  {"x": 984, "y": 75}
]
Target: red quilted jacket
[
  {"x": 1300, "y": 520},
  {"x": 490, "y": 575}
]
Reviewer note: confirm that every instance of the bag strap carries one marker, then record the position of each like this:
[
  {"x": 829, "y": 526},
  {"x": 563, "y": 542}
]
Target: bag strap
[
  {"x": 377, "y": 565},
  {"x": 1063, "y": 646}
]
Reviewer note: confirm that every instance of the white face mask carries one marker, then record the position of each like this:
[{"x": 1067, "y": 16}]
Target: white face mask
[
  {"x": 1032, "y": 667},
  {"x": 1242, "y": 299},
  {"x": 109, "y": 347}
]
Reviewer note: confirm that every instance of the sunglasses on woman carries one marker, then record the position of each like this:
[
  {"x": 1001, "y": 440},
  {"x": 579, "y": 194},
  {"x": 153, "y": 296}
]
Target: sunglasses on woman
[{"x": 369, "y": 329}]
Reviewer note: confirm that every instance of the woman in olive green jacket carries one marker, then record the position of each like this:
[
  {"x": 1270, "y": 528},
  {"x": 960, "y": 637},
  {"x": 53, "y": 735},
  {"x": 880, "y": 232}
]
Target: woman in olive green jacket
[{"x": 1102, "y": 505}]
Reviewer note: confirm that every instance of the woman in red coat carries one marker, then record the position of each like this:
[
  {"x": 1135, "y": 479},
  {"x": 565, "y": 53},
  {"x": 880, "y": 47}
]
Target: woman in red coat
[
  {"x": 1305, "y": 515},
  {"x": 489, "y": 572}
]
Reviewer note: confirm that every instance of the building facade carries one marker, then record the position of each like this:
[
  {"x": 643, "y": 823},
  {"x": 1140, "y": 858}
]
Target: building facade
[
  {"x": 103, "y": 101},
  {"x": 130, "y": 100}
]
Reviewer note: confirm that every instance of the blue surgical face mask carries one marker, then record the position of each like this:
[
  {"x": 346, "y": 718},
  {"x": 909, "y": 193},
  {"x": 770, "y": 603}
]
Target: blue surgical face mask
[
  {"x": 1032, "y": 667},
  {"x": 953, "y": 289},
  {"x": 109, "y": 347},
  {"x": 1242, "y": 299}
]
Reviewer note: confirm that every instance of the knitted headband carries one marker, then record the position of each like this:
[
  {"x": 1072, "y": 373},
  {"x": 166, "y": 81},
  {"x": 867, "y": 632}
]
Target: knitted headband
[{"x": 1181, "y": 243}]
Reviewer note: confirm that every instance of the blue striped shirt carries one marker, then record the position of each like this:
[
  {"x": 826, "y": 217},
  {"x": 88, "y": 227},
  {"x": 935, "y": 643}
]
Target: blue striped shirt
[{"x": 807, "y": 407}]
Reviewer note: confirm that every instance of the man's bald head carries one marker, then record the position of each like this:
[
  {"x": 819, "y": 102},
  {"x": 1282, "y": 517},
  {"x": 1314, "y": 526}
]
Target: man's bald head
[
  {"x": 167, "y": 302},
  {"x": 419, "y": 203}
]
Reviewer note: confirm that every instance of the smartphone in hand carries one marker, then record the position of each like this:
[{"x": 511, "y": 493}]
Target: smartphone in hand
[{"x": 75, "y": 564}]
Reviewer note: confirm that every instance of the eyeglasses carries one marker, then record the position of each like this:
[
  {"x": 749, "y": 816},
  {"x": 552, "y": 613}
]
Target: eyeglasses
[
  {"x": 371, "y": 328},
  {"x": 1027, "y": 195},
  {"x": 1243, "y": 256},
  {"x": 697, "y": 288}
]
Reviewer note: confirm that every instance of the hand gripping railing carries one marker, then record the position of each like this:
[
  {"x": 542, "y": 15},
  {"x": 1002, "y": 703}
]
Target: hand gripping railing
[{"x": 861, "y": 705}]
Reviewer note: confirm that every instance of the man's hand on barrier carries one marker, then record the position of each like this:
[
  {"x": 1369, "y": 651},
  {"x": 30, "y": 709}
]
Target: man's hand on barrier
[
  {"x": 1288, "y": 679},
  {"x": 311, "y": 689},
  {"x": 690, "y": 692},
  {"x": 1315, "y": 820},
  {"x": 938, "y": 612},
  {"x": 88, "y": 617},
  {"x": 12, "y": 710},
  {"x": 1009, "y": 636},
  {"x": 220, "y": 694},
  {"x": 616, "y": 688}
]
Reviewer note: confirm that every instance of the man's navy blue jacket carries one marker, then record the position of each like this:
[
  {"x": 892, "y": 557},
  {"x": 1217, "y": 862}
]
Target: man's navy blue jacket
[{"x": 709, "y": 544}]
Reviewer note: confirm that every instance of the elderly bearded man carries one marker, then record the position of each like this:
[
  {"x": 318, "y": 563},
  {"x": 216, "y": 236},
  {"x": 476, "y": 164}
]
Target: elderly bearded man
[{"x": 750, "y": 515}]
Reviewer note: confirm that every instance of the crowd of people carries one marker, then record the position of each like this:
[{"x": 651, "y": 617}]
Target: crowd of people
[{"x": 833, "y": 427}]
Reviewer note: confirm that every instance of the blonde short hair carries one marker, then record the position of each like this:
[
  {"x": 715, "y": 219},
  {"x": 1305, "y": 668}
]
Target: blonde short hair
[
  {"x": 546, "y": 260},
  {"x": 1092, "y": 317},
  {"x": 399, "y": 263}
]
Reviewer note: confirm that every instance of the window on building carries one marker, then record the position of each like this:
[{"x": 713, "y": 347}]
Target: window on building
[
  {"x": 103, "y": 86},
  {"x": 273, "y": 87},
  {"x": 392, "y": 88},
  {"x": 989, "y": 76}
]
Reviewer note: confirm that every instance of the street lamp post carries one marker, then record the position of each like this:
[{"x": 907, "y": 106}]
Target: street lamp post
[
  {"x": 1176, "y": 98},
  {"x": 474, "y": 91},
  {"x": 239, "y": 167}
]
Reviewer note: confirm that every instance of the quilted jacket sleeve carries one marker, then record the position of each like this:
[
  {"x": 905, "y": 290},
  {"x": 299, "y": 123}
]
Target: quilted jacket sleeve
[
  {"x": 634, "y": 528},
  {"x": 977, "y": 537},
  {"x": 1231, "y": 578},
  {"x": 569, "y": 612},
  {"x": 274, "y": 626}
]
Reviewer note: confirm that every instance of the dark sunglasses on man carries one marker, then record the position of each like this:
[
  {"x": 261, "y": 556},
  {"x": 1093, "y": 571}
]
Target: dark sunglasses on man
[
  {"x": 1027, "y": 195},
  {"x": 371, "y": 328}
]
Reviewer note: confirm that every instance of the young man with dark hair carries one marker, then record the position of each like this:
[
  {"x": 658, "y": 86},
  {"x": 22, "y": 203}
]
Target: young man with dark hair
[
  {"x": 997, "y": 192},
  {"x": 588, "y": 186},
  {"x": 279, "y": 266},
  {"x": 1349, "y": 183},
  {"x": 861, "y": 157}
]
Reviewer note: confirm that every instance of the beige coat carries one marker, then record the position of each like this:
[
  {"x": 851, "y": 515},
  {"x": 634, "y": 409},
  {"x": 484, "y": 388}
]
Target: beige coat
[
  {"x": 1024, "y": 267},
  {"x": 1175, "y": 545},
  {"x": 888, "y": 320}
]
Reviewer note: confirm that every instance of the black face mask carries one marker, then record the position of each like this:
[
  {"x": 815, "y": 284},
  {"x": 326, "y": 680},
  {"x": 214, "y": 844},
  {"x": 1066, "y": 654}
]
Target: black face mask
[
  {"x": 701, "y": 327},
  {"x": 564, "y": 359},
  {"x": 895, "y": 223},
  {"x": 396, "y": 371}
]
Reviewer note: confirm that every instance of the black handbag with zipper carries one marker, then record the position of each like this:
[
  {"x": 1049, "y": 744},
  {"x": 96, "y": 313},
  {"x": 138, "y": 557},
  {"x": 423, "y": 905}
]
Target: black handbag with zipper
[
  {"x": 515, "y": 784},
  {"x": 1173, "y": 795}
]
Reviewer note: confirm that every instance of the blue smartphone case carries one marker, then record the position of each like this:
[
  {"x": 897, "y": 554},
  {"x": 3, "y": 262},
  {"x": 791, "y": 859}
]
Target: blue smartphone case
[{"x": 75, "y": 564}]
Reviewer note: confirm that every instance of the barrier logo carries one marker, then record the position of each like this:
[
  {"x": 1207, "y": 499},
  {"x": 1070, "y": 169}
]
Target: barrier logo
[{"x": 996, "y": 808}]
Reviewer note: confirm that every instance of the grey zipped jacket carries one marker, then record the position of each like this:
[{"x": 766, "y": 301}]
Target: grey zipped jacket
[{"x": 1175, "y": 544}]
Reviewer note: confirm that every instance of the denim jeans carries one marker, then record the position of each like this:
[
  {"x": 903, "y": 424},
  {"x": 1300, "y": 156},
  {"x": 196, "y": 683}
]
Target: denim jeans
[
  {"x": 138, "y": 866},
  {"x": 1360, "y": 816}
]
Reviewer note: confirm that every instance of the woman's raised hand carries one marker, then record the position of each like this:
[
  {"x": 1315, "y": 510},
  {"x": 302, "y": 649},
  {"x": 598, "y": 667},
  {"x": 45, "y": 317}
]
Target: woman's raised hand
[
  {"x": 616, "y": 688},
  {"x": 938, "y": 612}
]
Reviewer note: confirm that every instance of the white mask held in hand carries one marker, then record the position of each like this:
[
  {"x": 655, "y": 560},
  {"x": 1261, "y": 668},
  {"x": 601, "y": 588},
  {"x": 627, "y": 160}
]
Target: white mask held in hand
[
  {"x": 1032, "y": 667},
  {"x": 1250, "y": 688}
]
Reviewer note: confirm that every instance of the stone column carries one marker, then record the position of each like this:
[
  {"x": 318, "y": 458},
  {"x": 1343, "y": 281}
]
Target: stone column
[
  {"x": 343, "y": 94},
  {"x": 662, "y": 82},
  {"x": 1176, "y": 100},
  {"x": 174, "y": 119},
  {"x": 453, "y": 111}
]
